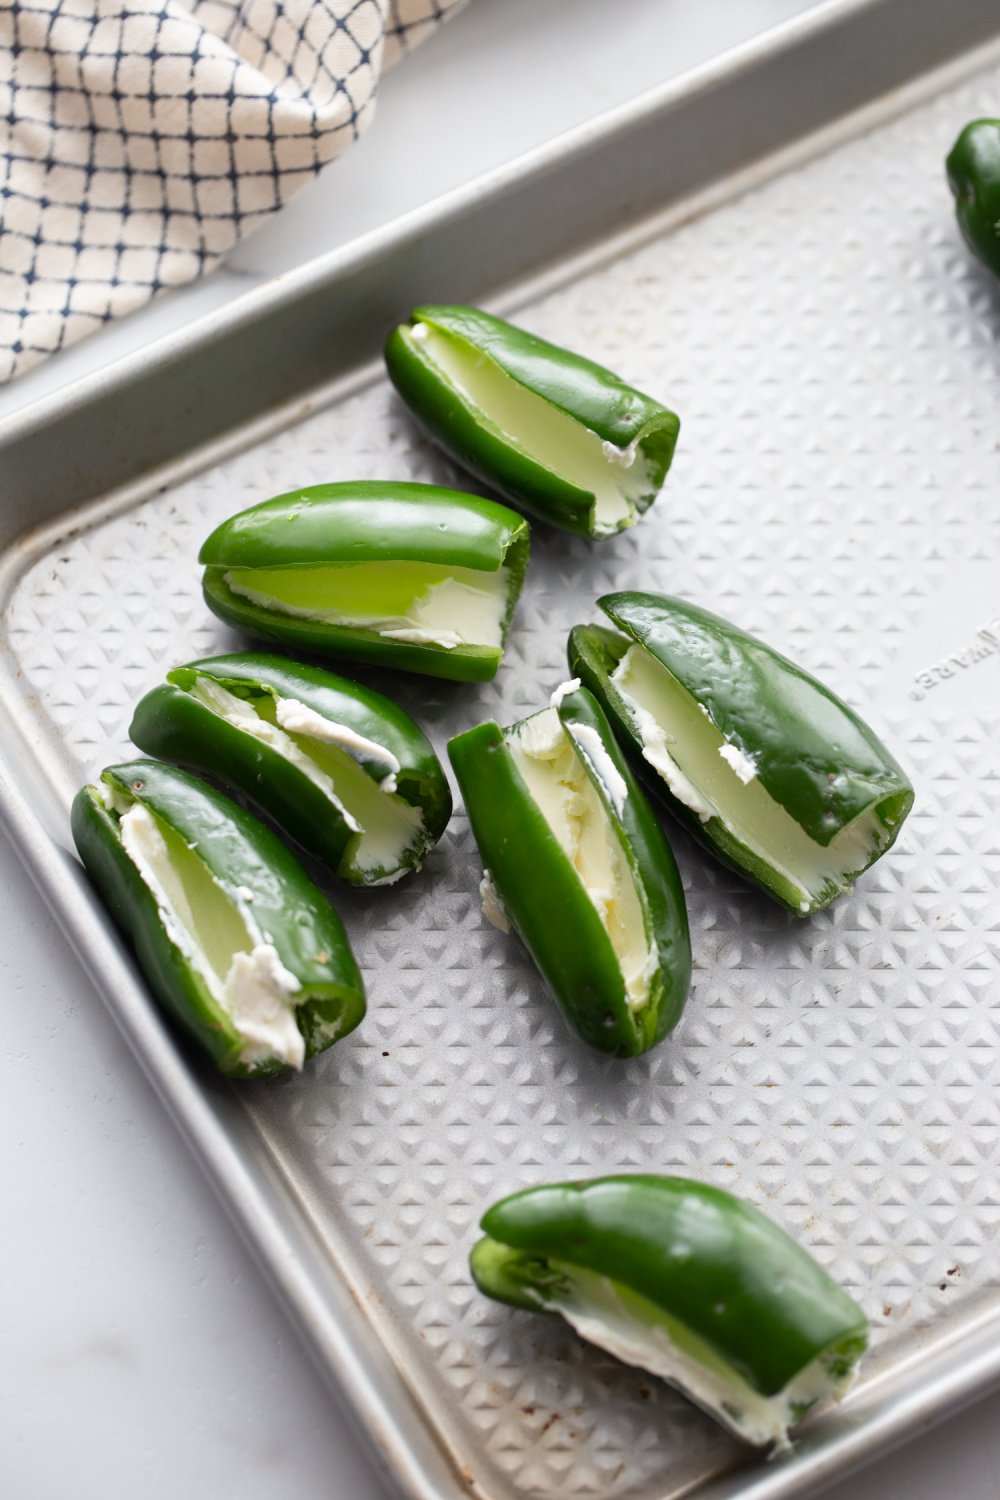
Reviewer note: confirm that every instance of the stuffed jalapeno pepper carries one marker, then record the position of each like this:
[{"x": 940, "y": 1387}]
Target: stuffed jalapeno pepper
[
  {"x": 236, "y": 941},
  {"x": 973, "y": 169},
  {"x": 576, "y": 861},
  {"x": 398, "y": 575},
  {"x": 555, "y": 434},
  {"x": 338, "y": 766},
  {"x": 765, "y": 765},
  {"x": 686, "y": 1281}
]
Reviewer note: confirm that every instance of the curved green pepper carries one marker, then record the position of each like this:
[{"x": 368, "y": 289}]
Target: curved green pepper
[
  {"x": 236, "y": 941},
  {"x": 767, "y": 767},
  {"x": 685, "y": 1281},
  {"x": 973, "y": 168},
  {"x": 574, "y": 858},
  {"x": 554, "y": 433},
  {"x": 337, "y": 766},
  {"x": 400, "y": 575}
]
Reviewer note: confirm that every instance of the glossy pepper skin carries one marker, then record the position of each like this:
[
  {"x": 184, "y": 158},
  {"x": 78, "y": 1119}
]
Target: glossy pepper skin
[
  {"x": 973, "y": 168},
  {"x": 175, "y": 726},
  {"x": 367, "y": 522},
  {"x": 585, "y": 392},
  {"x": 715, "y": 1265},
  {"x": 814, "y": 756},
  {"x": 242, "y": 856},
  {"x": 546, "y": 901}
]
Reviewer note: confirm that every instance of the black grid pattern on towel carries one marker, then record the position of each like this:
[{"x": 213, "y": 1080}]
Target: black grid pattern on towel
[{"x": 141, "y": 139}]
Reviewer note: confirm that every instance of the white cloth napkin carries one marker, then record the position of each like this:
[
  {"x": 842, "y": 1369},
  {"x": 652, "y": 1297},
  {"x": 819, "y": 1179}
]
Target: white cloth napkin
[{"x": 144, "y": 138}]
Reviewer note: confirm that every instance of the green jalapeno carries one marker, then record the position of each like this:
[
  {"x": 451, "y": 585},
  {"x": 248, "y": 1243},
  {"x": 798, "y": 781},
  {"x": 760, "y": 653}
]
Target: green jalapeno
[
  {"x": 554, "y": 433},
  {"x": 973, "y": 168},
  {"x": 766, "y": 766},
  {"x": 399, "y": 575},
  {"x": 338, "y": 766},
  {"x": 574, "y": 858},
  {"x": 236, "y": 941},
  {"x": 686, "y": 1281}
]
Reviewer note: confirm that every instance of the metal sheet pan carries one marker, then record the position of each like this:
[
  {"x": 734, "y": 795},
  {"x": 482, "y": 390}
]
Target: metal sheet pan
[{"x": 804, "y": 302}]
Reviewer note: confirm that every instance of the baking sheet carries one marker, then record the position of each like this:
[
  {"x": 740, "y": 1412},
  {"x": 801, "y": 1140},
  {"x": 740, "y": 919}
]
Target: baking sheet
[{"x": 833, "y": 355}]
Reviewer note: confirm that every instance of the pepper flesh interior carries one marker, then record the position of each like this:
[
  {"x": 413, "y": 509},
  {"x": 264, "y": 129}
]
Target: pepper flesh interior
[
  {"x": 385, "y": 826},
  {"x": 427, "y": 603},
  {"x": 238, "y": 965},
  {"x": 716, "y": 780},
  {"x": 637, "y": 1331},
  {"x": 550, "y": 765},
  {"x": 618, "y": 478}
]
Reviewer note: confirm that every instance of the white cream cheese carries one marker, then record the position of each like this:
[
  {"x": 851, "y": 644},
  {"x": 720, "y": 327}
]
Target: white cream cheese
[
  {"x": 297, "y": 718},
  {"x": 625, "y": 457},
  {"x": 563, "y": 691},
  {"x": 549, "y": 763},
  {"x": 638, "y": 1333},
  {"x": 588, "y": 741},
  {"x": 739, "y": 762},
  {"x": 540, "y": 737},
  {"x": 716, "y": 779},
  {"x": 250, "y": 984},
  {"x": 463, "y": 611},
  {"x": 449, "y": 639},
  {"x": 257, "y": 994},
  {"x": 111, "y": 798},
  {"x": 618, "y": 478},
  {"x": 493, "y": 908},
  {"x": 146, "y": 848},
  {"x": 427, "y": 603},
  {"x": 326, "y": 752},
  {"x": 241, "y": 713},
  {"x": 655, "y": 749}
]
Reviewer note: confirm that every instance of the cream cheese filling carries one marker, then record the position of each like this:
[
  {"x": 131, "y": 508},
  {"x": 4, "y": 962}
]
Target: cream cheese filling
[
  {"x": 548, "y": 760},
  {"x": 239, "y": 966},
  {"x": 493, "y": 908},
  {"x": 242, "y": 714},
  {"x": 298, "y": 718},
  {"x": 325, "y": 752},
  {"x": 618, "y": 478},
  {"x": 591, "y": 747},
  {"x": 427, "y": 603},
  {"x": 716, "y": 779},
  {"x": 639, "y": 1333}
]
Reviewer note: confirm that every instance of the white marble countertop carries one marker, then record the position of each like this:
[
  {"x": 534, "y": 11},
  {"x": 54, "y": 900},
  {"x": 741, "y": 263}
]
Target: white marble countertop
[{"x": 145, "y": 1357}]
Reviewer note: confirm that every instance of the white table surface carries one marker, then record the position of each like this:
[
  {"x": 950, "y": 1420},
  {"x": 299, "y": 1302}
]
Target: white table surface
[{"x": 145, "y": 1357}]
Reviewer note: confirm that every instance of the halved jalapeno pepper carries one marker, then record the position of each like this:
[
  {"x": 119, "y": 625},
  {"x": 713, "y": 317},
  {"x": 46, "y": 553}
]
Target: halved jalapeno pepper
[
  {"x": 765, "y": 765},
  {"x": 574, "y": 858},
  {"x": 400, "y": 575},
  {"x": 555, "y": 434},
  {"x": 339, "y": 767},
  {"x": 236, "y": 941},
  {"x": 686, "y": 1281},
  {"x": 973, "y": 169}
]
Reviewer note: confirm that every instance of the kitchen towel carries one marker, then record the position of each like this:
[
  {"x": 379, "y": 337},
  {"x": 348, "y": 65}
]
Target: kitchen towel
[{"x": 141, "y": 139}]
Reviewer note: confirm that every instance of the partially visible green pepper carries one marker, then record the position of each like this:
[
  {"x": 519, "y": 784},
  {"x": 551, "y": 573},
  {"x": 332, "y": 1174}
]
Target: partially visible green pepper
[
  {"x": 575, "y": 859},
  {"x": 398, "y": 575},
  {"x": 555, "y": 434},
  {"x": 973, "y": 168},
  {"x": 339, "y": 767},
  {"x": 686, "y": 1281},
  {"x": 236, "y": 941},
  {"x": 765, "y": 765}
]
